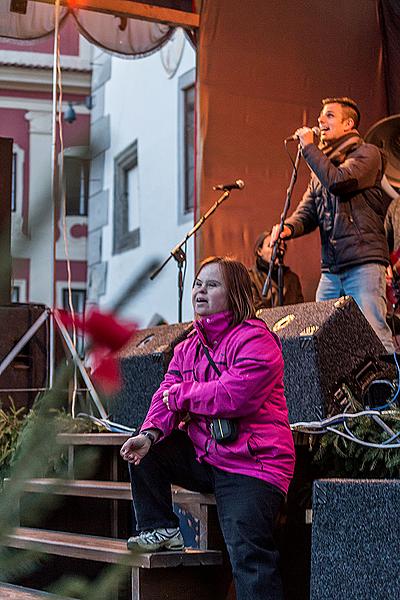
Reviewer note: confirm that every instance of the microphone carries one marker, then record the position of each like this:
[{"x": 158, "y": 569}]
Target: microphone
[
  {"x": 294, "y": 138},
  {"x": 238, "y": 185}
]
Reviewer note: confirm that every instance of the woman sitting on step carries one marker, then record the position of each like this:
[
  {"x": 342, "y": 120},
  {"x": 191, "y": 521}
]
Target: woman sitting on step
[{"x": 218, "y": 423}]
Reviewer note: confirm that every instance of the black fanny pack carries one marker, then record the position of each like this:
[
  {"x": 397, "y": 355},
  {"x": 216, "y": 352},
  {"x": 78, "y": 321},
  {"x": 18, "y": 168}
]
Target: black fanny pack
[{"x": 223, "y": 431}]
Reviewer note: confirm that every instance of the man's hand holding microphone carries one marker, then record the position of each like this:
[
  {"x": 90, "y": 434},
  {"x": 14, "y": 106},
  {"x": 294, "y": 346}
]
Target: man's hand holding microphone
[{"x": 285, "y": 233}]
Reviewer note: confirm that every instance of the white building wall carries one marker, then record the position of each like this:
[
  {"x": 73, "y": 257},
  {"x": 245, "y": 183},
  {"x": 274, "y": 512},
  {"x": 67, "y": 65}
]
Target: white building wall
[{"x": 142, "y": 103}]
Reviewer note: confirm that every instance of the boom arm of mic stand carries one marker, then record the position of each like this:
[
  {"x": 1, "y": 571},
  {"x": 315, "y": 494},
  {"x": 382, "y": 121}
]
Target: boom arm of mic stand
[
  {"x": 180, "y": 256},
  {"x": 177, "y": 251},
  {"x": 286, "y": 207}
]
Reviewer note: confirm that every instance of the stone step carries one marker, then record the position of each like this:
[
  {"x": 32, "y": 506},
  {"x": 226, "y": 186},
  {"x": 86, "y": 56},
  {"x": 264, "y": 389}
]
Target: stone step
[
  {"x": 106, "y": 550},
  {"x": 113, "y": 490}
]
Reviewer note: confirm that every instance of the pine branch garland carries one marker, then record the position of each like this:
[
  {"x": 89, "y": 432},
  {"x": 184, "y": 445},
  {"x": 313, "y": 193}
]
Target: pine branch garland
[{"x": 340, "y": 457}]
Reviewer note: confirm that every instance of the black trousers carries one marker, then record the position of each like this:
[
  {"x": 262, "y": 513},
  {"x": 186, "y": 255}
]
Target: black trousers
[{"x": 247, "y": 508}]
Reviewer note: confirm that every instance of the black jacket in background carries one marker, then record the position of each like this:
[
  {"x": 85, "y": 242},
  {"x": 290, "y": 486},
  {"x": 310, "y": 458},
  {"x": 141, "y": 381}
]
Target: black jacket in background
[
  {"x": 292, "y": 292},
  {"x": 345, "y": 201}
]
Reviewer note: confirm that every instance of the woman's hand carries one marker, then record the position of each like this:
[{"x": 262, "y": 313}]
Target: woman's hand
[
  {"x": 166, "y": 398},
  {"x": 389, "y": 275},
  {"x": 135, "y": 448}
]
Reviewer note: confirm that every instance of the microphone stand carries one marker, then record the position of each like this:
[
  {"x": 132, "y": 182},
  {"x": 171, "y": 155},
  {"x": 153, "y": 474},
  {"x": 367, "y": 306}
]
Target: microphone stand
[
  {"x": 280, "y": 255},
  {"x": 275, "y": 246},
  {"x": 180, "y": 256}
]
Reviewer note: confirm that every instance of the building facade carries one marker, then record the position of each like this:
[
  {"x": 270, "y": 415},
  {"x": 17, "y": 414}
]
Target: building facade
[
  {"x": 142, "y": 178},
  {"x": 26, "y": 117}
]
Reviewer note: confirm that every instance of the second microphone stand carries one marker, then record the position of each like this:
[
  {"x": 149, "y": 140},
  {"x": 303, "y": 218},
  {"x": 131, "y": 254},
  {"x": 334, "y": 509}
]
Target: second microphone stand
[
  {"x": 275, "y": 247},
  {"x": 180, "y": 255}
]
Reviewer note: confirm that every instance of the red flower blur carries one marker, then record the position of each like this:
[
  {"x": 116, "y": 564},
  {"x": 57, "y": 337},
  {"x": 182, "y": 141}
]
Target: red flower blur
[{"x": 107, "y": 336}]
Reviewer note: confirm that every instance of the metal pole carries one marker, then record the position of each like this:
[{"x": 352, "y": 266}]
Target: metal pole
[{"x": 54, "y": 187}]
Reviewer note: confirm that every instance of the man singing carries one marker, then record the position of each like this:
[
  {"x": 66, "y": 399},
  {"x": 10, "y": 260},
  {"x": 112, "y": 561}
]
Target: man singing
[{"x": 344, "y": 199}]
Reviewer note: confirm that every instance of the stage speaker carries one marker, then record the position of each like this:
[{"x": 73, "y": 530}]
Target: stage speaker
[
  {"x": 355, "y": 539},
  {"x": 331, "y": 355},
  {"x": 144, "y": 361},
  {"x": 28, "y": 372}
]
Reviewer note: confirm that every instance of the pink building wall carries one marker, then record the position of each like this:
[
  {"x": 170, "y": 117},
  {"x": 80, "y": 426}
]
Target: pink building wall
[{"x": 14, "y": 124}]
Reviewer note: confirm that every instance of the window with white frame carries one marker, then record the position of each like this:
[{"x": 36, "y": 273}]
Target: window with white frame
[
  {"x": 17, "y": 179},
  {"x": 14, "y": 184},
  {"x": 187, "y": 98},
  {"x": 18, "y": 290},
  {"x": 126, "y": 200},
  {"x": 15, "y": 293}
]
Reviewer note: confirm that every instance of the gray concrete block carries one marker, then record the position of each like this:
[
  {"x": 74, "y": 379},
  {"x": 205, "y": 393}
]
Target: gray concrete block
[
  {"x": 98, "y": 104},
  {"x": 97, "y": 282},
  {"x": 101, "y": 70},
  {"x": 98, "y": 210},
  {"x": 94, "y": 247},
  {"x": 96, "y": 175},
  {"x": 100, "y": 136}
]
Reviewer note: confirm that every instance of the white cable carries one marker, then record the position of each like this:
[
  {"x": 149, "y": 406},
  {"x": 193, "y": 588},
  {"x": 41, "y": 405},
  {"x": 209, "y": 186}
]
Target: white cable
[
  {"x": 361, "y": 442},
  {"x": 331, "y": 420}
]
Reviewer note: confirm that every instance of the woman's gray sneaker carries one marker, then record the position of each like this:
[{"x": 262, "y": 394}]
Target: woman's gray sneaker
[{"x": 157, "y": 539}]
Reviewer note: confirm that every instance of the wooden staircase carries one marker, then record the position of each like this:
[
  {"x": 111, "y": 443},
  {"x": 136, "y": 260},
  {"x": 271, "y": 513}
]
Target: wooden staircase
[
  {"x": 16, "y": 592},
  {"x": 103, "y": 506}
]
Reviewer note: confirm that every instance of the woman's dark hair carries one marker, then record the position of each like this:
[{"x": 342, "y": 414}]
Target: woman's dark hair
[
  {"x": 238, "y": 285},
  {"x": 258, "y": 244},
  {"x": 260, "y": 240}
]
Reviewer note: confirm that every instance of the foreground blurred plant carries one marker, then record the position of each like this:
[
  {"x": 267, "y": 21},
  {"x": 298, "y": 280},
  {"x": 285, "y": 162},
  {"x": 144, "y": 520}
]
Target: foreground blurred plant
[
  {"x": 107, "y": 335},
  {"x": 11, "y": 422},
  {"x": 34, "y": 439}
]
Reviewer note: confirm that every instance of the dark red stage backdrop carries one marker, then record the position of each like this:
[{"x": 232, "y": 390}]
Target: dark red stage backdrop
[{"x": 263, "y": 67}]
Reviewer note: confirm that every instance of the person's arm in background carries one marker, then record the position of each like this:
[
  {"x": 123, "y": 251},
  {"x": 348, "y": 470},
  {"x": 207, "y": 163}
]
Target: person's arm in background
[
  {"x": 358, "y": 172},
  {"x": 304, "y": 219},
  {"x": 389, "y": 225}
]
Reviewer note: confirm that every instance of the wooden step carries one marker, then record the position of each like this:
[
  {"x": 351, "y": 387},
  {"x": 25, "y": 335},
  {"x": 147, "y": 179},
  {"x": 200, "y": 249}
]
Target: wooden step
[
  {"x": 16, "y": 592},
  {"x": 105, "y": 550},
  {"x": 113, "y": 490},
  {"x": 195, "y": 503}
]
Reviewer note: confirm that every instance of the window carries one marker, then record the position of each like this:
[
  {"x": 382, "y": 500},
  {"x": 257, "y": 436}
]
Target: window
[
  {"x": 187, "y": 99},
  {"x": 15, "y": 295},
  {"x": 126, "y": 200},
  {"x": 76, "y": 185},
  {"x": 14, "y": 185},
  {"x": 78, "y": 300},
  {"x": 189, "y": 94},
  {"x": 78, "y": 303}
]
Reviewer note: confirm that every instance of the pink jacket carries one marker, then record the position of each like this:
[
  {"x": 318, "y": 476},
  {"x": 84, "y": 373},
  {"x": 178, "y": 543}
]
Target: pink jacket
[{"x": 250, "y": 390}]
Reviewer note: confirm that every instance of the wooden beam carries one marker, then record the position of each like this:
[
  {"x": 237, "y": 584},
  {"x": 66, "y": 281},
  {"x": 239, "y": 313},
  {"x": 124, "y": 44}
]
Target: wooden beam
[{"x": 135, "y": 10}]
